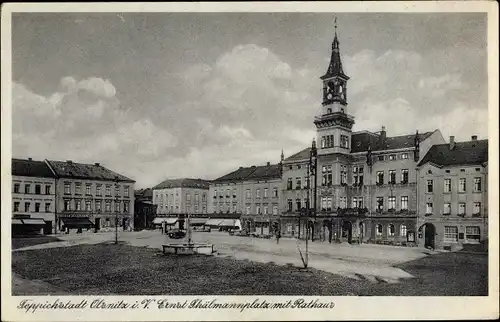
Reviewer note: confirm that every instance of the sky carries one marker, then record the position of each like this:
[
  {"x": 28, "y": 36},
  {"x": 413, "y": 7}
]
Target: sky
[{"x": 168, "y": 95}]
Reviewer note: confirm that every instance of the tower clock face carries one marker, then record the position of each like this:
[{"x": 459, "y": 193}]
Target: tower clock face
[
  {"x": 341, "y": 89},
  {"x": 329, "y": 96},
  {"x": 331, "y": 86}
]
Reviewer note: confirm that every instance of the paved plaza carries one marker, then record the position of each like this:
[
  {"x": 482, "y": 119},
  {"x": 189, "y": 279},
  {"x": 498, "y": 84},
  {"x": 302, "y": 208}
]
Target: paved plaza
[{"x": 371, "y": 262}]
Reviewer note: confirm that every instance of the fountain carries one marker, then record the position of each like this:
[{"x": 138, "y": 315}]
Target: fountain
[{"x": 189, "y": 248}]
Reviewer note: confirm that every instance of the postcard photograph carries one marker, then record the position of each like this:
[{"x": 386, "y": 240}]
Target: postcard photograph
[{"x": 300, "y": 154}]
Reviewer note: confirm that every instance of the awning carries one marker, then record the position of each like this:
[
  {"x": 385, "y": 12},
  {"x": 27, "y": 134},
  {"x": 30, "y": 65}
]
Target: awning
[
  {"x": 197, "y": 221},
  {"x": 168, "y": 221},
  {"x": 213, "y": 222},
  {"x": 34, "y": 221},
  {"x": 227, "y": 223},
  {"x": 77, "y": 222},
  {"x": 17, "y": 222}
]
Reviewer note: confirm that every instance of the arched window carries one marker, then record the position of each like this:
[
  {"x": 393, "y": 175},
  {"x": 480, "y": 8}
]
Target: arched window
[
  {"x": 403, "y": 230},
  {"x": 391, "y": 231},
  {"x": 379, "y": 230}
]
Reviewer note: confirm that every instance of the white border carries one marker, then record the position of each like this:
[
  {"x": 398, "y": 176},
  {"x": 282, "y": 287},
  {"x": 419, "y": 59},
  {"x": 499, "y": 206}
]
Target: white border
[{"x": 347, "y": 308}]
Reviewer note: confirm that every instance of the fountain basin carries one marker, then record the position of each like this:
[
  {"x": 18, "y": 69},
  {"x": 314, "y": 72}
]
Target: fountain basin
[{"x": 188, "y": 249}]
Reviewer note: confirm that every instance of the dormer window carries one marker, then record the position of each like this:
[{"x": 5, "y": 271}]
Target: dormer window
[
  {"x": 342, "y": 110},
  {"x": 329, "y": 111}
]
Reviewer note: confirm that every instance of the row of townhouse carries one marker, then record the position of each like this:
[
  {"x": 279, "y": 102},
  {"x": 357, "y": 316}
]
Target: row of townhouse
[{"x": 53, "y": 196}]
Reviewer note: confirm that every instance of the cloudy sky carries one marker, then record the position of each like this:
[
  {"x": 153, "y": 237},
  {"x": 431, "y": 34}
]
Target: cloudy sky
[{"x": 157, "y": 95}]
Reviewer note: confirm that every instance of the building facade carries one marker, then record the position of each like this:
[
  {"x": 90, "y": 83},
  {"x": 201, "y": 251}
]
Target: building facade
[
  {"x": 453, "y": 195},
  {"x": 33, "y": 197},
  {"x": 92, "y": 196},
  {"x": 251, "y": 194},
  {"x": 144, "y": 209},
  {"x": 177, "y": 198},
  {"x": 363, "y": 184}
]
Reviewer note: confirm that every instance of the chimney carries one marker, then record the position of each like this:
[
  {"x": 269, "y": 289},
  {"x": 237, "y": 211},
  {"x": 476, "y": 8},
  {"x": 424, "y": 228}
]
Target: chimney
[
  {"x": 474, "y": 138},
  {"x": 382, "y": 136},
  {"x": 69, "y": 161},
  {"x": 268, "y": 163},
  {"x": 30, "y": 159},
  {"x": 452, "y": 142},
  {"x": 97, "y": 164}
]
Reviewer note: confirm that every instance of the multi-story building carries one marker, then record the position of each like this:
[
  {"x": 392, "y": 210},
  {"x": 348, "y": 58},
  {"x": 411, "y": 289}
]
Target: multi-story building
[
  {"x": 453, "y": 194},
  {"x": 33, "y": 197},
  {"x": 144, "y": 209},
  {"x": 177, "y": 198},
  {"x": 90, "y": 195},
  {"x": 364, "y": 187},
  {"x": 250, "y": 193}
]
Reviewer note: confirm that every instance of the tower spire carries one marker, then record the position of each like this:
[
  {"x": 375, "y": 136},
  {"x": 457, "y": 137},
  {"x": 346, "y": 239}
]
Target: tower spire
[{"x": 335, "y": 67}]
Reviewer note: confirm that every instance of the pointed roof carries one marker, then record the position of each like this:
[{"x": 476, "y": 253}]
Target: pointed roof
[
  {"x": 361, "y": 141},
  {"x": 268, "y": 171},
  {"x": 335, "y": 67},
  {"x": 73, "y": 170},
  {"x": 31, "y": 168},
  {"x": 299, "y": 156},
  {"x": 463, "y": 153}
]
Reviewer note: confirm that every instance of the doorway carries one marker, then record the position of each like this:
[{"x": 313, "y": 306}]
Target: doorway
[
  {"x": 430, "y": 234},
  {"x": 361, "y": 232},
  {"x": 47, "y": 229},
  {"x": 347, "y": 231},
  {"x": 97, "y": 224}
]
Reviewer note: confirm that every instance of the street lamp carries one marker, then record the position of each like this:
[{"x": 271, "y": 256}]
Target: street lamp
[{"x": 116, "y": 210}]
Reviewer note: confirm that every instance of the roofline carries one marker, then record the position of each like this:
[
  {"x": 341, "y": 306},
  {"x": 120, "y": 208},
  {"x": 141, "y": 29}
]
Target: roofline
[
  {"x": 385, "y": 151},
  {"x": 242, "y": 181},
  {"x": 87, "y": 177},
  {"x": 451, "y": 165}
]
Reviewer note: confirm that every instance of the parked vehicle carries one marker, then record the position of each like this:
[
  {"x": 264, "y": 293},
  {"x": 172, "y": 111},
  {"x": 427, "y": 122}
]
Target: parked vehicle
[
  {"x": 239, "y": 233},
  {"x": 176, "y": 234}
]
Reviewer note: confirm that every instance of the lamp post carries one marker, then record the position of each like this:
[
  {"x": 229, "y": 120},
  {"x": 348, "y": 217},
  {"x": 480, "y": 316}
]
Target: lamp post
[{"x": 116, "y": 210}]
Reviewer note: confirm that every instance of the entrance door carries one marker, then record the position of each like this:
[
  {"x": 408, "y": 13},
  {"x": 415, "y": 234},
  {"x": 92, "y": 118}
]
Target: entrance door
[
  {"x": 430, "y": 233},
  {"x": 361, "y": 232},
  {"x": 97, "y": 224},
  {"x": 124, "y": 224},
  {"x": 347, "y": 231},
  {"x": 47, "y": 229}
]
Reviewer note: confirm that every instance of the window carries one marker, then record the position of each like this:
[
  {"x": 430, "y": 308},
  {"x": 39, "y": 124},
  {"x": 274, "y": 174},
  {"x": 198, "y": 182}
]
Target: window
[
  {"x": 265, "y": 210},
  {"x": 298, "y": 183},
  {"x": 447, "y": 171},
  {"x": 257, "y": 193},
  {"x": 379, "y": 230},
  {"x": 38, "y": 189},
  {"x": 447, "y": 185},
  {"x": 327, "y": 177},
  {"x": 98, "y": 205},
  {"x": 327, "y": 141},
  {"x": 126, "y": 191},
  {"x": 343, "y": 175},
  {"x": 450, "y": 233},
  {"x": 343, "y": 202},
  {"x": 17, "y": 187},
  {"x": 404, "y": 176},
  {"x": 391, "y": 202},
  {"x": 461, "y": 208},
  {"x": 78, "y": 204},
  {"x": 380, "y": 203},
  {"x": 472, "y": 233},
  {"x": 428, "y": 209},
  {"x": 248, "y": 194},
  {"x": 47, "y": 189},
  {"x": 462, "y": 186},
  {"x": 380, "y": 177},
  {"x": 265, "y": 192},
  {"x": 215, "y": 193},
  {"x": 188, "y": 197},
  {"x": 357, "y": 177},
  {"x": 196, "y": 198},
  {"x": 88, "y": 205},
  {"x": 392, "y": 176},
  {"x": 326, "y": 203},
  {"x": 26, "y": 207},
  {"x": 447, "y": 208},
  {"x": 380, "y": 158},
  {"x": 228, "y": 193},
  {"x": 204, "y": 209},
  {"x": 392, "y": 157},
  {"x": 298, "y": 166},
  {"x": 404, "y": 202},
  {"x": 67, "y": 204},
  {"x": 290, "y": 204},
  {"x": 477, "y": 208},
  {"x": 16, "y": 206},
  {"x": 78, "y": 188},
  {"x": 430, "y": 186},
  {"x": 258, "y": 209},
  {"x": 26, "y": 188},
  {"x": 404, "y": 156},
  {"x": 117, "y": 190},
  {"x": 204, "y": 196},
  {"x": 403, "y": 230},
  {"x": 477, "y": 184},
  {"x": 98, "y": 190},
  {"x": 108, "y": 205},
  {"x": 344, "y": 141},
  {"x": 117, "y": 206},
  {"x": 126, "y": 206},
  {"x": 67, "y": 188},
  {"x": 37, "y": 207},
  {"x": 248, "y": 210},
  {"x": 354, "y": 203},
  {"x": 275, "y": 210},
  {"x": 289, "y": 184},
  {"x": 108, "y": 190},
  {"x": 188, "y": 209},
  {"x": 391, "y": 231},
  {"x": 298, "y": 204},
  {"x": 275, "y": 192},
  {"x": 88, "y": 187}
]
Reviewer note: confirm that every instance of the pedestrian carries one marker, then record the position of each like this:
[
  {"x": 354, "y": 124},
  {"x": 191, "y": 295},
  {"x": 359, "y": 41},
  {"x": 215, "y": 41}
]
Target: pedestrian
[{"x": 278, "y": 236}]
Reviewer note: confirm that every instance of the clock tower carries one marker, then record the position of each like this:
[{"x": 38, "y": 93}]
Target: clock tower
[{"x": 334, "y": 125}]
